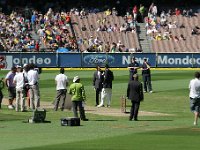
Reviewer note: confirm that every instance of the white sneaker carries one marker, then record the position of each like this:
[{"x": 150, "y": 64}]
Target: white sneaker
[
  {"x": 100, "y": 106},
  {"x": 151, "y": 92},
  {"x": 195, "y": 123},
  {"x": 10, "y": 107}
]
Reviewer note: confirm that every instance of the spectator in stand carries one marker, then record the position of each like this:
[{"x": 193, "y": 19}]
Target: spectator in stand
[
  {"x": 116, "y": 28},
  {"x": 84, "y": 28},
  {"x": 113, "y": 47},
  {"x": 119, "y": 45},
  {"x": 163, "y": 18},
  {"x": 114, "y": 11},
  {"x": 91, "y": 41},
  {"x": 142, "y": 12},
  {"x": 108, "y": 12},
  {"x": 33, "y": 20},
  {"x": 123, "y": 28},
  {"x": 83, "y": 14},
  {"x": 135, "y": 12},
  {"x": 176, "y": 39},
  {"x": 154, "y": 10},
  {"x": 195, "y": 31},
  {"x": 171, "y": 26},
  {"x": 177, "y": 12},
  {"x": 107, "y": 47}
]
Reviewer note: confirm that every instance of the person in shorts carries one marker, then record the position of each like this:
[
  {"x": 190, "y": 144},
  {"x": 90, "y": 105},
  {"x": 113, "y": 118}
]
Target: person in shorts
[
  {"x": 194, "y": 94},
  {"x": 11, "y": 87}
]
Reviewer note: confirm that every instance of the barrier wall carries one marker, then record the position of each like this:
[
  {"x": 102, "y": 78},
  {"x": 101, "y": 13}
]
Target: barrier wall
[{"x": 7, "y": 60}]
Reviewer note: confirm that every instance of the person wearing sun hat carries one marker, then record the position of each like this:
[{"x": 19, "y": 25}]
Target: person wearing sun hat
[{"x": 76, "y": 90}]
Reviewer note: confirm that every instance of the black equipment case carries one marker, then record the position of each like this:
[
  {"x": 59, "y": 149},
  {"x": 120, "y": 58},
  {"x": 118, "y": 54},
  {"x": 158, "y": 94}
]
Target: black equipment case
[{"x": 70, "y": 121}]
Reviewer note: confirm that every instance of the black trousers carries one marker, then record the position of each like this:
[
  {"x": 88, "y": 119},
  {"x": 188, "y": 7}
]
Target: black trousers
[
  {"x": 98, "y": 91},
  {"x": 75, "y": 106},
  {"x": 147, "y": 82},
  {"x": 134, "y": 110},
  {"x": 1, "y": 97},
  {"x": 61, "y": 95}
]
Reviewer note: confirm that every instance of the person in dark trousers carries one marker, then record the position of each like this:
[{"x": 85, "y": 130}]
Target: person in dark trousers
[
  {"x": 135, "y": 94},
  {"x": 133, "y": 66},
  {"x": 61, "y": 88},
  {"x": 146, "y": 76},
  {"x": 78, "y": 97},
  {"x": 98, "y": 83},
  {"x": 1, "y": 93},
  {"x": 107, "y": 87}
]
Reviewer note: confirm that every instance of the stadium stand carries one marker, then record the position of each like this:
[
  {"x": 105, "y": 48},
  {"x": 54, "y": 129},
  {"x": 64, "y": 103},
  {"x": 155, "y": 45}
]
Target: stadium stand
[
  {"x": 112, "y": 27},
  {"x": 106, "y": 28},
  {"x": 174, "y": 31}
]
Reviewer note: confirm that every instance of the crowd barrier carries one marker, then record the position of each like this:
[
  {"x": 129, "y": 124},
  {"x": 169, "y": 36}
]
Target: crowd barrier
[{"x": 83, "y": 60}]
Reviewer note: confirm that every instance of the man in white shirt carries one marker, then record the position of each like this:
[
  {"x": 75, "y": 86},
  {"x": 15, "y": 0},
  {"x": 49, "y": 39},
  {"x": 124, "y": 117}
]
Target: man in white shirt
[
  {"x": 19, "y": 82},
  {"x": 194, "y": 87},
  {"x": 33, "y": 81},
  {"x": 61, "y": 87}
]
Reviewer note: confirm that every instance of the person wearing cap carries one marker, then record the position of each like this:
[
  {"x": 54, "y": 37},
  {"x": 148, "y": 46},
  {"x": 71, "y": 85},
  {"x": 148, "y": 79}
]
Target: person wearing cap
[
  {"x": 26, "y": 91},
  {"x": 146, "y": 76},
  {"x": 98, "y": 83},
  {"x": 133, "y": 66},
  {"x": 76, "y": 90},
  {"x": 107, "y": 87},
  {"x": 61, "y": 88},
  {"x": 33, "y": 81},
  {"x": 11, "y": 87},
  {"x": 19, "y": 82},
  {"x": 135, "y": 94}
]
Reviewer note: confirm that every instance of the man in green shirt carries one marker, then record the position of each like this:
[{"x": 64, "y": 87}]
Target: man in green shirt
[{"x": 78, "y": 97}]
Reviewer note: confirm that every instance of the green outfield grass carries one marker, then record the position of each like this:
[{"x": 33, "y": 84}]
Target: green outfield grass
[{"x": 172, "y": 132}]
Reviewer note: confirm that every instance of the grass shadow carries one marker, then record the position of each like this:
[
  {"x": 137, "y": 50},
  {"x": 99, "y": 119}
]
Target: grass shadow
[
  {"x": 155, "y": 120},
  {"x": 104, "y": 120}
]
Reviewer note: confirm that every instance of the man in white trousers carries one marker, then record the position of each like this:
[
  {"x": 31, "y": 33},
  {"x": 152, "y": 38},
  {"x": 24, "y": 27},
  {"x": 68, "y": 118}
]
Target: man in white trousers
[
  {"x": 19, "y": 82},
  {"x": 107, "y": 87},
  {"x": 33, "y": 81}
]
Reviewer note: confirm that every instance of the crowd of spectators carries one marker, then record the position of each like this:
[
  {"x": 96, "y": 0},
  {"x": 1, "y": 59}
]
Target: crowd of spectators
[
  {"x": 159, "y": 27},
  {"x": 104, "y": 24},
  {"x": 15, "y": 32},
  {"x": 54, "y": 29},
  {"x": 47, "y": 31}
]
